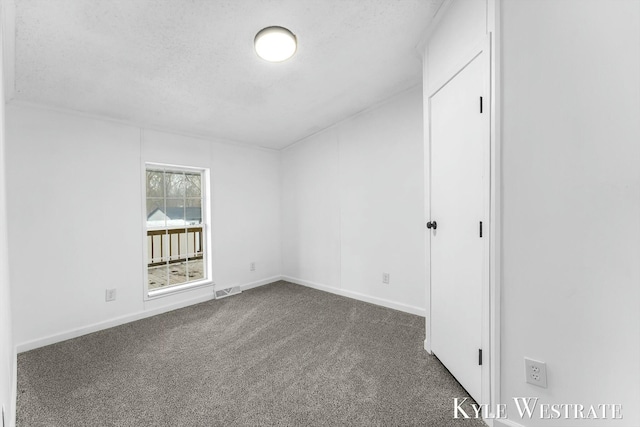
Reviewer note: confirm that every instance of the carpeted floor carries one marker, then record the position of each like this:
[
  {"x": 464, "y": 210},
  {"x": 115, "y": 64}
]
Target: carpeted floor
[{"x": 280, "y": 354}]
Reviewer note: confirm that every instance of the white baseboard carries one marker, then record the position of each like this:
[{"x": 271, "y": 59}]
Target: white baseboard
[
  {"x": 106, "y": 324},
  {"x": 361, "y": 297}
]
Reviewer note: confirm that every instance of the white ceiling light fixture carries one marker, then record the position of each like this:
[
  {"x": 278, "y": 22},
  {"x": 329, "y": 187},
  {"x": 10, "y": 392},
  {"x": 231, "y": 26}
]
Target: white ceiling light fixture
[{"x": 275, "y": 44}]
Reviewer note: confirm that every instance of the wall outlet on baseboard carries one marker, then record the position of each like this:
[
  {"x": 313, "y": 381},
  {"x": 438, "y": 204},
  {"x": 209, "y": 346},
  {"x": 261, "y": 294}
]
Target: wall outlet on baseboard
[
  {"x": 110, "y": 295},
  {"x": 536, "y": 372},
  {"x": 385, "y": 278},
  {"x": 252, "y": 266}
]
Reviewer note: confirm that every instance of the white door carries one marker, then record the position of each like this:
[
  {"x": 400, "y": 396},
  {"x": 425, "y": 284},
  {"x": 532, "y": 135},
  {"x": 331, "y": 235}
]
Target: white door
[{"x": 459, "y": 181}]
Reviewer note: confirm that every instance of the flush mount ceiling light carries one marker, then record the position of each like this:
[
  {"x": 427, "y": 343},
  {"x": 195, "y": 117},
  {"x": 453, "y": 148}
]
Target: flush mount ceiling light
[{"x": 275, "y": 44}]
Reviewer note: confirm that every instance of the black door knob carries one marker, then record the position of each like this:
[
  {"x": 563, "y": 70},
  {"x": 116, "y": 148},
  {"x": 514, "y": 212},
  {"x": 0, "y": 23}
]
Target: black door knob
[{"x": 432, "y": 224}]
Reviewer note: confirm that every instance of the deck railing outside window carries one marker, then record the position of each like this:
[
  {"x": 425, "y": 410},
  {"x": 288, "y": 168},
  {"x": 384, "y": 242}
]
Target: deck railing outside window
[{"x": 174, "y": 245}]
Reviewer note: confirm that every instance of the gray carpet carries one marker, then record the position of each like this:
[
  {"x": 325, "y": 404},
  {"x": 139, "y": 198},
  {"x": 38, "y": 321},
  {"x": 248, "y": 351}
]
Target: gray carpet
[{"x": 280, "y": 354}]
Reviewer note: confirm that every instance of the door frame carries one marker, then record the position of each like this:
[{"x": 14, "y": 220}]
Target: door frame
[{"x": 490, "y": 327}]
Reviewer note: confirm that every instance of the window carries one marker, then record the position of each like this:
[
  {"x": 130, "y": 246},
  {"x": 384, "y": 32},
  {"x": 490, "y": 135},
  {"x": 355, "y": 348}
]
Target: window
[{"x": 176, "y": 239}]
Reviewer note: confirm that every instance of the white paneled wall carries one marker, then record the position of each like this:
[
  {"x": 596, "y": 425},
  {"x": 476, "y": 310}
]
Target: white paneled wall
[
  {"x": 76, "y": 219},
  {"x": 350, "y": 200},
  {"x": 311, "y": 210},
  {"x": 353, "y": 206}
]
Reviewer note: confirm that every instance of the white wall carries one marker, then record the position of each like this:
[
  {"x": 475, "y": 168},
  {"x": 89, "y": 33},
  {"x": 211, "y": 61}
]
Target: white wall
[
  {"x": 311, "y": 210},
  {"x": 460, "y": 26},
  {"x": 571, "y": 202},
  {"x": 76, "y": 221},
  {"x": 353, "y": 206},
  {"x": 7, "y": 348}
]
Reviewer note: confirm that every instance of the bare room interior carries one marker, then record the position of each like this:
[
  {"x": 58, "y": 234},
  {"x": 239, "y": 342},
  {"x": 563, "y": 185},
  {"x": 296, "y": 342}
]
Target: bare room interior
[{"x": 320, "y": 212}]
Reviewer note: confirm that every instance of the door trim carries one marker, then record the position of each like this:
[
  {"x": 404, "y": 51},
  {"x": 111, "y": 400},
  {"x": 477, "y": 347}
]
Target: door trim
[{"x": 490, "y": 379}]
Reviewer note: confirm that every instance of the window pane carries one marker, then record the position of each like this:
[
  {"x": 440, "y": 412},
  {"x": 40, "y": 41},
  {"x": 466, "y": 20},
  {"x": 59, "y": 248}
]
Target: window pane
[
  {"x": 175, "y": 240},
  {"x": 156, "y": 246},
  {"x": 158, "y": 276},
  {"x": 174, "y": 184},
  {"x": 195, "y": 269},
  {"x": 177, "y": 273},
  {"x": 155, "y": 213},
  {"x": 193, "y": 185},
  {"x": 193, "y": 211},
  {"x": 194, "y": 242},
  {"x": 175, "y": 212},
  {"x": 174, "y": 245},
  {"x": 155, "y": 183},
  {"x": 180, "y": 244}
]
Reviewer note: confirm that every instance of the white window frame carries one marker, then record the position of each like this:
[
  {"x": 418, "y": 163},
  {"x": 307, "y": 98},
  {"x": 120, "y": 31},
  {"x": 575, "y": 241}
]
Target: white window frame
[{"x": 150, "y": 294}]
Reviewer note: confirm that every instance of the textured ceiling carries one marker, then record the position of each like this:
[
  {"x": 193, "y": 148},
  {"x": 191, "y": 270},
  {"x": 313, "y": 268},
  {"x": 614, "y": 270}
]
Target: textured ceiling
[{"x": 189, "y": 65}]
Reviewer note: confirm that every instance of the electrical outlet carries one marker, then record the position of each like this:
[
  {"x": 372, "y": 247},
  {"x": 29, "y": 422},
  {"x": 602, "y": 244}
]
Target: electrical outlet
[
  {"x": 536, "y": 372},
  {"x": 385, "y": 278},
  {"x": 110, "y": 295},
  {"x": 252, "y": 266}
]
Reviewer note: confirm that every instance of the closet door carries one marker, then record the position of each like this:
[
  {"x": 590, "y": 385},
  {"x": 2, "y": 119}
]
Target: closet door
[{"x": 459, "y": 187}]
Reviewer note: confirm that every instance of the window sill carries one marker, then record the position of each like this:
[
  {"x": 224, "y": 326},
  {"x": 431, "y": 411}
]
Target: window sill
[{"x": 159, "y": 293}]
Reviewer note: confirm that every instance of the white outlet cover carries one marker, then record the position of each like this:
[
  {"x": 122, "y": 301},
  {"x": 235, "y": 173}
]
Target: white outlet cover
[
  {"x": 110, "y": 295},
  {"x": 535, "y": 372}
]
